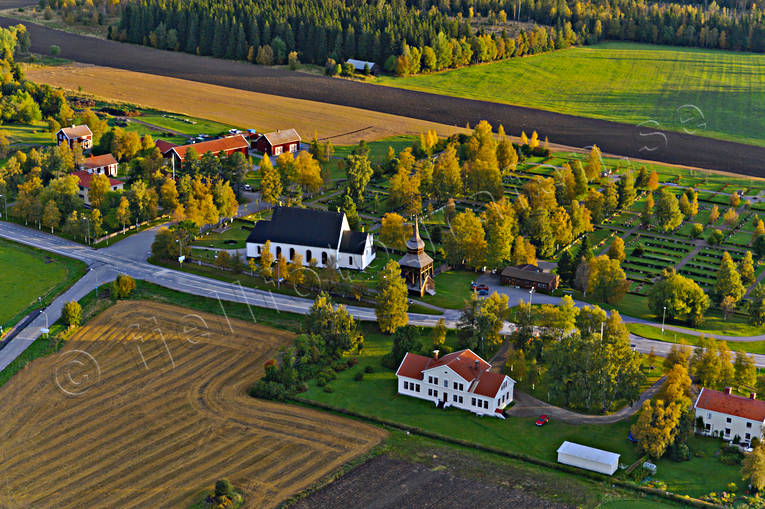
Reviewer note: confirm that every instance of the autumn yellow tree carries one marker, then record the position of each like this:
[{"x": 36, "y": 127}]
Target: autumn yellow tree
[
  {"x": 656, "y": 426},
  {"x": 266, "y": 260},
  {"x": 392, "y": 302},
  {"x": 393, "y": 231}
]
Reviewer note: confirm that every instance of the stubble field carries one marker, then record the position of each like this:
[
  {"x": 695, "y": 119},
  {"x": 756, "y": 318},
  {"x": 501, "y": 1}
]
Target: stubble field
[
  {"x": 146, "y": 406},
  {"x": 343, "y": 125}
]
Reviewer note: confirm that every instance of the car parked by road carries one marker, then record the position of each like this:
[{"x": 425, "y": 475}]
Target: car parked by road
[{"x": 543, "y": 419}]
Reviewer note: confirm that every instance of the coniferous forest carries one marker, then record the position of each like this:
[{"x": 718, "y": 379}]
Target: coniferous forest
[{"x": 411, "y": 36}]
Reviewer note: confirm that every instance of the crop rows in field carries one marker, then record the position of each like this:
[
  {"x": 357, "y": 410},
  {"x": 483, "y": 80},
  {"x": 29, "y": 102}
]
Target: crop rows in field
[{"x": 162, "y": 414}]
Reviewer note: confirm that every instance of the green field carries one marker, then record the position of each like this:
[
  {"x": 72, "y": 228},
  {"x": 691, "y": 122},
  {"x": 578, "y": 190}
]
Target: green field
[
  {"x": 30, "y": 273},
  {"x": 624, "y": 82}
]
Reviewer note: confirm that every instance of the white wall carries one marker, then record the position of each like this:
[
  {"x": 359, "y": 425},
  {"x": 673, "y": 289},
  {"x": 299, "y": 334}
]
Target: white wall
[
  {"x": 738, "y": 425},
  {"x": 575, "y": 461},
  {"x": 343, "y": 260}
]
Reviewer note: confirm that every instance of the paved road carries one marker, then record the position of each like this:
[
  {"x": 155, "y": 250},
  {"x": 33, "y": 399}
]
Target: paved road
[
  {"x": 612, "y": 137},
  {"x": 129, "y": 257}
]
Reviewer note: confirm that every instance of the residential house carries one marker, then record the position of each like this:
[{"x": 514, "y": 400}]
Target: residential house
[
  {"x": 164, "y": 147},
  {"x": 729, "y": 416},
  {"x": 80, "y": 134},
  {"x": 529, "y": 276},
  {"x": 105, "y": 164},
  {"x": 460, "y": 379},
  {"x": 314, "y": 234},
  {"x": 84, "y": 186},
  {"x": 278, "y": 142}
]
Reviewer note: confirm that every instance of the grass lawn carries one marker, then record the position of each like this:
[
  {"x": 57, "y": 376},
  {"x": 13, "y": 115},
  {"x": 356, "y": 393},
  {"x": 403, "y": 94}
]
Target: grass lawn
[
  {"x": 379, "y": 149},
  {"x": 184, "y": 124},
  {"x": 376, "y": 395},
  {"x": 670, "y": 336},
  {"x": 452, "y": 289},
  {"x": 726, "y": 88},
  {"x": 28, "y": 134},
  {"x": 233, "y": 238},
  {"x": 31, "y": 273}
]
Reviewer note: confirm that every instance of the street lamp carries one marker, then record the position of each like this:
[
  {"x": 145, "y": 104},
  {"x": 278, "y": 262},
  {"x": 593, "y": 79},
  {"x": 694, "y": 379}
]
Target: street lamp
[
  {"x": 663, "y": 315},
  {"x": 86, "y": 218},
  {"x": 531, "y": 297}
]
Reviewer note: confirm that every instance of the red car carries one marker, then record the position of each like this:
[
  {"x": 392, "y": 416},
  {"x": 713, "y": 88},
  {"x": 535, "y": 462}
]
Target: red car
[
  {"x": 542, "y": 420},
  {"x": 478, "y": 287}
]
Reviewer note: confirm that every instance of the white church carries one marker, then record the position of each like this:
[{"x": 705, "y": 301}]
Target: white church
[{"x": 314, "y": 234}]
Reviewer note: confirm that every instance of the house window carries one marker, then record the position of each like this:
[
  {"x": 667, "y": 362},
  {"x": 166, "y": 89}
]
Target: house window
[
  {"x": 455, "y": 386},
  {"x": 446, "y": 383},
  {"x": 293, "y": 147},
  {"x": 727, "y": 431},
  {"x": 472, "y": 401},
  {"x": 430, "y": 392},
  {"x": 406, "y": 385},
  {"x": 277, "y": 150},
  {"x": 454, "y": 397},
  {"x": 748, "y": 424},
  {"x": 323, "y": 257},
  {"x": 258, "y": 249},
  {"x": 435, "y": 393},
  {"x": 417, "y": 388},
  {"x": 460, "y": 399},
  {"x": 430, "y": 379},
  {"x": 308, "y": 255},
  {"x": 486, "y": 404},
  {"x": 278, "y": 251},
  {"x": 727, "y": 420},
  {"x": 707, "y": 427},
  {"x": 292, "y": 253},
  {"x": 435, "y": 380},
  {"x": 350, "y": 260},
  {"x": 748, "y": 436}
]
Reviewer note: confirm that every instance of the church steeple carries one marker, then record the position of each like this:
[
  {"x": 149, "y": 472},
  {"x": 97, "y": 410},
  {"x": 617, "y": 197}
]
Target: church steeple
[{"x": 415, "y": 245}]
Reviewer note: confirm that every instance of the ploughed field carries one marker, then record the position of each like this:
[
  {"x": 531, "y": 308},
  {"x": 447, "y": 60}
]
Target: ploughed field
[
  {"x": 146, "y": 406},
  {"x": 647, "y": 142}
]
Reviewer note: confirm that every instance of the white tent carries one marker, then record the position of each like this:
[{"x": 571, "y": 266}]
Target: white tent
[{"x": 589, "y": 458}]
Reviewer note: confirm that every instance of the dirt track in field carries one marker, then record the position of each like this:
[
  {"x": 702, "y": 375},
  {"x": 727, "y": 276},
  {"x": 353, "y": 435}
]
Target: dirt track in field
[
  {"x": 639, "y": 142},
  {"x": 147, "y": 406}
]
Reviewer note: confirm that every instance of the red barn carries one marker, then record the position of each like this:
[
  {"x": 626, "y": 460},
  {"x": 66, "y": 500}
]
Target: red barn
[
  {"x": 228, "y": 146},
  {"x": 279, "y": 142}
]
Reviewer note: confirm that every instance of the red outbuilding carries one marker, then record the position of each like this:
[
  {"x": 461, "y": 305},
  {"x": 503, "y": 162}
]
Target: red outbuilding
[{"x": 278, "y": 142}]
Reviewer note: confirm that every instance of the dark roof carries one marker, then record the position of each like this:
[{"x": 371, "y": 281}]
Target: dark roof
[
  {"x": 730, "y": 404},
  {"x": 528, "y": 274},
  {"x": 302, "y": 227},
  {"x": 353, "y": 242},
  {"x": 417, "y": 261}
]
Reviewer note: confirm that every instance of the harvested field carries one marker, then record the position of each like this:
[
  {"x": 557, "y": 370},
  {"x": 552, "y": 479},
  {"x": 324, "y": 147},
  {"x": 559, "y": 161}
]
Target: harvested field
[
  {"x": 385, "y": 482},
  {"x": 242, "y": 108},
  {"x": 146, "y": 405},
  {"x": 612, "y": 137}
]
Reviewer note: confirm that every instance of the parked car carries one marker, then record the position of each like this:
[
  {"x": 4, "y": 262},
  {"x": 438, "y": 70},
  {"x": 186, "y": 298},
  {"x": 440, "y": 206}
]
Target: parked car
[
  {"x": 483, "y": 292},
  {"x": 543, "y": 419},
  {"x": 247, "y": 187}
]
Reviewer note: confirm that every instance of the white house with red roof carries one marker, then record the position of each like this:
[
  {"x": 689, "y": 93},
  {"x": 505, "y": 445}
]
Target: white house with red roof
[
  {"x": 84, "y": 186},
  {"x": 76, "y": 134},
  {"x": 105, "y": 164},
  {"x": 728, "y": 416},
  {"x": 460, "y": 379}
]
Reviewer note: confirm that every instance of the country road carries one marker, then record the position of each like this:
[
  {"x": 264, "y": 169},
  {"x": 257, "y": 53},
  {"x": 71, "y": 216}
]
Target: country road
[
  {"x": 129, "y": 257},
  {"x": 612, "y": 137}
]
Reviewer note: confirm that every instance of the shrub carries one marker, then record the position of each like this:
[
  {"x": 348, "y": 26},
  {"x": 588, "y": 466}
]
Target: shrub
[
  {"x": 293, "y": 61},
  {"x": 359, "y": 376},
  {"x": 331, "y": 67},
  {"x": 369, "y": 369},
  {"x": 72, "y": 313},
  {"x": 268, "y": 390},
  {"x": 123, "y": 286},
  {"x": 223, "y": 488},
  {"x": 340, "y": 365},
  {"x": 325, "y": 376},
  {"x": 697, "y": 231},
  {"x": 328, "y": 388},
  {"x": 55, "y": 50}
]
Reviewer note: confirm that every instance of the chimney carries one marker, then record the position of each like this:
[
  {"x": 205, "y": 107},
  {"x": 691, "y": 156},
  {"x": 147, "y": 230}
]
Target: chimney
[
  {"x": 727, "y": 390},
  {"x": 435, "y": 355},
  {"x": 72, "y": 126},
  {"x": 752, "y": 395}
]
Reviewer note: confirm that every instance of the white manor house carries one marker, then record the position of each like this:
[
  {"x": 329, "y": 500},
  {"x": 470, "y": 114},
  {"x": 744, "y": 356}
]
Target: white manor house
[
  {"x": 460, "y": 379},
  {"x": 314, "y": 234}
]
